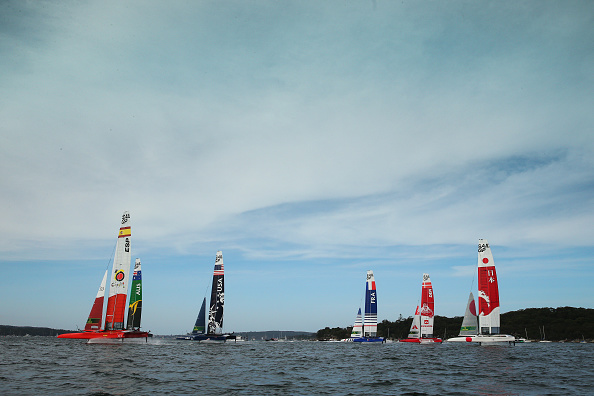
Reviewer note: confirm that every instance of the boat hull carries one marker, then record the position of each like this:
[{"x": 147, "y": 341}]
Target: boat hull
[
  {"x": 484, "y": 339},
  {"x": 107, "y": 335},
  {"x": 433, "y": 340},
  {"x": 208, "y": 337},
  {"x": 369, "y": 339}
]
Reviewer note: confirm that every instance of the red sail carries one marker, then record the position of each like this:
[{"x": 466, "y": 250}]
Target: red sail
[
  {"x": 94, "y": 320},
  {"x": 427, "y": 307},
  {"x": 116, "y": 307},
  {"x": 488, "y": 289}
]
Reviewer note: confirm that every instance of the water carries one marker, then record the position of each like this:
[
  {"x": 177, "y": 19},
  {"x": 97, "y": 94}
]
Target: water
[{"x": 45, "y": 365}]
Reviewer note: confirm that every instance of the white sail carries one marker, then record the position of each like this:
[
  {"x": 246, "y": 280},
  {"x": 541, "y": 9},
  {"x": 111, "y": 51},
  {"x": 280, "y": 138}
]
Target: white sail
[
  {"x": 415, "y": 326},
  {"x": 358, "y": 327},
  {"x": 469, "y": 322},
  {"x": 118, "y": 287}
]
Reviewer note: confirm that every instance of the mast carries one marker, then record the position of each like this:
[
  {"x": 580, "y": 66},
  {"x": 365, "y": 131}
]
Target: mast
[
  {"x": 96, "y": 314},
  {"x": 116, "y": 303},
  {"x": 135, "y": 303},
  {"x": 427, "y": 307},
  {"x": 488, "y": 291},
  {"x": 217, "y": 297},
  {"x": 370, "y": 319}
]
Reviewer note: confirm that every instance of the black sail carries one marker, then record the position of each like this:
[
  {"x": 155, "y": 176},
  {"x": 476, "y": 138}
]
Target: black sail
[{"x": 217, "y": 297}]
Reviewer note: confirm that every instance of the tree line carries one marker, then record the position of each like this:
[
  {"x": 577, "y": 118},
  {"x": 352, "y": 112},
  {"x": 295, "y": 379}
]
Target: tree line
[{"x": 554, "y": 324}]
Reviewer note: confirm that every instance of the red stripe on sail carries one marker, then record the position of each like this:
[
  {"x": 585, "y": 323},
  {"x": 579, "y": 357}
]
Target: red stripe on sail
[
  {"x": 116, "y": 306},
  {"x": 488, "y": 290},
  {"x": 94, "y": 320}
]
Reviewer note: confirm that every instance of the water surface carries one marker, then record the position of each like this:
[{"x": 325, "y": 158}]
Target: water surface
[{"x": 46, "y": 365}]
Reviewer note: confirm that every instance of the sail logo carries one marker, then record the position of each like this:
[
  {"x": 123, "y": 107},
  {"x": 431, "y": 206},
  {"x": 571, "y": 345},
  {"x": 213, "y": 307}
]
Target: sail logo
[
  {"x": 133, "y": 306},
  {"x": 372, "y": 295},
  {"x": 119, "y": 275},
  {"x": 125, "y": 232},
  {"x": 426, "y": 311},
  {"x": 482, "y": 247},
  {"x": 127, "y": 245},
  {"x": 125, "y": 217}
]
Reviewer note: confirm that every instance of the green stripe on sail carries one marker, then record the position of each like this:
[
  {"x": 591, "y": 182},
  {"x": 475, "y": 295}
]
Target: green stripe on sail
[{"x": 135, "y": 303}]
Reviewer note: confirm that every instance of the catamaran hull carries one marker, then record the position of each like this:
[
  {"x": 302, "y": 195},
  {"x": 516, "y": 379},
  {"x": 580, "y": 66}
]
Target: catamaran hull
[
  {"x": 422, "y": 340},
  {"x": 209, "y": 338},
  {"x": 485, "y": 339},
  {"x": 108, "y": 335},
  {"x": 369, "y": 339}
]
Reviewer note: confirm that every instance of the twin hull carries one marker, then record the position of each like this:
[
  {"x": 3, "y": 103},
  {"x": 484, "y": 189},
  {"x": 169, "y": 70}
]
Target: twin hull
[
  {"x": 484, "y": 339},
  {"x": 107, "y": 335}
]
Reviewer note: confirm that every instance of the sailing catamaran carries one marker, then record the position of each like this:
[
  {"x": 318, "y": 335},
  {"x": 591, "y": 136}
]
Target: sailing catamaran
[
  {"x": 489, "y": 311},
  {"x": 421, "y": 329},
  {"x": 215, "y": 314},
  {"x": 366, "y": 330},
  {"x": 118, "y": 293}
]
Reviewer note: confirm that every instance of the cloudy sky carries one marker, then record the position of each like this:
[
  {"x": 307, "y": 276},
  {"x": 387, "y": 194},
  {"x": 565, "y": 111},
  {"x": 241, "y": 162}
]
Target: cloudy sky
[{"x": 308, "y": 141}]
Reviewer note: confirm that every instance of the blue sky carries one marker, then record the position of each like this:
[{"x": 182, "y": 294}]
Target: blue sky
[{"x": 309, "y": 142}]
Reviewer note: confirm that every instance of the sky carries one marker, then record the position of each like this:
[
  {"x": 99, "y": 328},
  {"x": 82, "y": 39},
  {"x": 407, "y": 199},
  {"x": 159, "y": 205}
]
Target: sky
[{"x": 309, "y": 141}]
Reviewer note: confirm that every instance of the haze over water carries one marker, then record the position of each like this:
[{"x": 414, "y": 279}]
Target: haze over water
[{"x": 45, "y": 365}]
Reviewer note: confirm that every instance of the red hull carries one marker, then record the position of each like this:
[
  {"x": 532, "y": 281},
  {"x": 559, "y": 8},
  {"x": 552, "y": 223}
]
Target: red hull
[
  {"x": 421, "y": 340},
  {"x": 110, "y": 334}
]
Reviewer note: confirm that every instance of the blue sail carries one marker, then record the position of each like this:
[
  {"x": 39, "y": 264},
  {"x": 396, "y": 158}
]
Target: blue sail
[{"x": 200, "y": 325}]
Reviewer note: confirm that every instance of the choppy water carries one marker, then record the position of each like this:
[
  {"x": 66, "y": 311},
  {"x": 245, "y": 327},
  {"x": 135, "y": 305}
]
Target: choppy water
[{"x": 45, "y": 365}]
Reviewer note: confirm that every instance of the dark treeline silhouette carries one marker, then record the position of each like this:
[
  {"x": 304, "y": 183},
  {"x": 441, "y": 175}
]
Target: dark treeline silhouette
[
  {"x": 29, "y": 330},
  {"x": 564, "y": 323}
]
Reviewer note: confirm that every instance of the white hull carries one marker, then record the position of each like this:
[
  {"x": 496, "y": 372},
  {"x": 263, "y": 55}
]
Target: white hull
[{"x": 485, "y": 339}]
